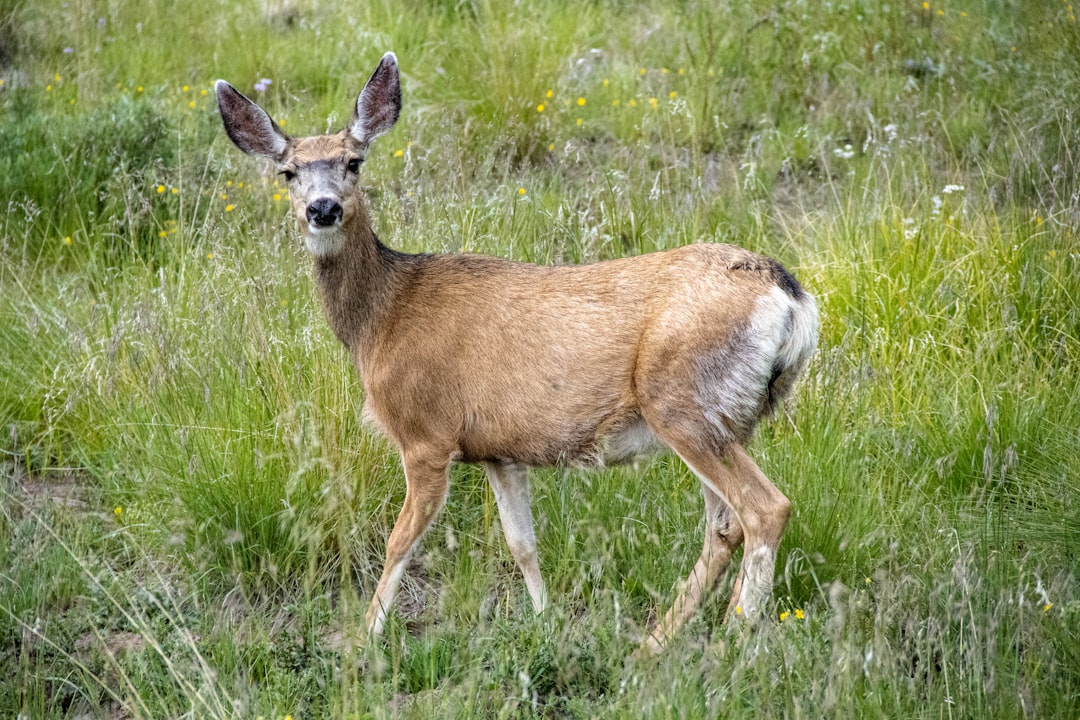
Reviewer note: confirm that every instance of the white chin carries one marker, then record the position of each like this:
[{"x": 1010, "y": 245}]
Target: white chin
[{"x": 323, "y": 241}]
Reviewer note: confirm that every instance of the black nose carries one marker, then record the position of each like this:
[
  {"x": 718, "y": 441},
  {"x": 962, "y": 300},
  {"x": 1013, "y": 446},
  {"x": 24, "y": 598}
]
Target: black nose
[{"x": 324, "y": 212}]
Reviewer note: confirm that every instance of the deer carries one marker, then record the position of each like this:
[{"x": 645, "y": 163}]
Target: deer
[{"x": 477, "y": 359}]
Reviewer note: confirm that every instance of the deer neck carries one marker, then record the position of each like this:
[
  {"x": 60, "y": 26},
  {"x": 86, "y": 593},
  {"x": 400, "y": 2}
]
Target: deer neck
[{"x": 357, "y": 284}]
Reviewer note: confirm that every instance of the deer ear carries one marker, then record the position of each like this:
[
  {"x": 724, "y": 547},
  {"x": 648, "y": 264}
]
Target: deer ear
[
  {"x": 248, "y": 125},
  {"x": 379, "y": 104}
]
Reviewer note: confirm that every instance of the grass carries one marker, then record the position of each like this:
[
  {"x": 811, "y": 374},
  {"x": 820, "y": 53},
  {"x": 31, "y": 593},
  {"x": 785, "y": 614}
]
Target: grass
[{"x": 193, "y": 514}]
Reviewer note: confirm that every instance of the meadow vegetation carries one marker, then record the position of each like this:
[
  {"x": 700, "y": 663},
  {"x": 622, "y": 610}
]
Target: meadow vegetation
[{"x": 192, "y": 512}]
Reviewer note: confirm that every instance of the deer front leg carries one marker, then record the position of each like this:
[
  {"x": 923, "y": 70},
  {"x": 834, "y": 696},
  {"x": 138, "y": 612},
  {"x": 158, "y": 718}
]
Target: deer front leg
[
  {"x": 426, "y": 487},
  {"x": 510, "y": 482}
]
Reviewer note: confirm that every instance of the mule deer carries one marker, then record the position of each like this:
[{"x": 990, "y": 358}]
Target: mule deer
[{"x": 478, "y": 359}]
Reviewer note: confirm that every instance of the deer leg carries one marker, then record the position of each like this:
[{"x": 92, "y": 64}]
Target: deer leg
[
  {"x": 426, "y": 487},
  {"x": 510, "y": 483},
  {"x": 760, "y": 509},
  {"x": 764, "y": 516},
  {"x": 723, "y": 534}
]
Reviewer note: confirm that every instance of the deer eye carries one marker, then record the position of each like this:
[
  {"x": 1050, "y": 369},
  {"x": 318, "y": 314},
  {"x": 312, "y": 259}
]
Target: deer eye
[
  {"x": 354, "y": 165},
  {"x": 289, "y": 175}
]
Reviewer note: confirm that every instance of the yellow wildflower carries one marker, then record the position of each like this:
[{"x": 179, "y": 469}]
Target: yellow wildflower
[
  {"x": 160, "y": 189},
  {"x": 521, "y": 191},
  {"x": 784, "y": 616},
  {"x": 118, "y": 511},
  {"x": 580, "y": 101},
  {"x": 799, "y": 614},
  {"x": 540, "y": 107}
]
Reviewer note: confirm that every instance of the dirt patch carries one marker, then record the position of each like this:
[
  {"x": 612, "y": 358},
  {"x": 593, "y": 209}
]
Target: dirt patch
[
  {"x": 66, "y": 490},
  {"x": 113, "y": 644},
  {"x": 50, "y": 489},
  {"x": 38, "y": 493}
]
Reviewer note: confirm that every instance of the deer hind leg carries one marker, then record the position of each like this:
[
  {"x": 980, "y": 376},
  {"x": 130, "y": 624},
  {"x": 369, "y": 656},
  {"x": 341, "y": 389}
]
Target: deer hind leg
[
  {"x": 723, "y": 534},
  {"x": 426, "y": 487},
  {"x": 764, "y": 515},
  {"x": 761, "y": 512},
  {"x": 510, "y": 483}
]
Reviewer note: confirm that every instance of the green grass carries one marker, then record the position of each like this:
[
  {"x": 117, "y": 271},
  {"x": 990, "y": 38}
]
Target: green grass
[{"x": 193, "y": 515}]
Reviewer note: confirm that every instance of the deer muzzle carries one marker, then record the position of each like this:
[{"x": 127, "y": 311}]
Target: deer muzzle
[{"x": 324, "y": 212}]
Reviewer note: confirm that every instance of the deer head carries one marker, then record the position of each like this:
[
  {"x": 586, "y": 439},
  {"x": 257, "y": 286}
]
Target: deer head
[{"x": 322, "y": 171}]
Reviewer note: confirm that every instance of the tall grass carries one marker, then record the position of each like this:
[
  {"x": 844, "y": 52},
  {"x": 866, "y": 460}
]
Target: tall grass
[{"x": 193, "y": 513}]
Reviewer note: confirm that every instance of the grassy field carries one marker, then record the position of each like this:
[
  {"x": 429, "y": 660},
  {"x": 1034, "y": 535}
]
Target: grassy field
[{"x": 192, "y": 514}]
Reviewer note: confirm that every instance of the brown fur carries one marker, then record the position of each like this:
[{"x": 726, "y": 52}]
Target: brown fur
[{"x": 479, "y": 359}]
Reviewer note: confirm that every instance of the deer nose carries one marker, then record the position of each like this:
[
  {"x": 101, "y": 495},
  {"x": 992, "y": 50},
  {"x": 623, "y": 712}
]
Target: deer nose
[{"x": 324, "y": 212}]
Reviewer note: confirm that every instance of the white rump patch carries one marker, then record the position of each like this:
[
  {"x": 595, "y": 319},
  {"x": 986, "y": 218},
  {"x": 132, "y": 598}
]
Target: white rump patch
[
  {"x": 800, "y": 343},
  {"x": 734, "y": 378}
]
